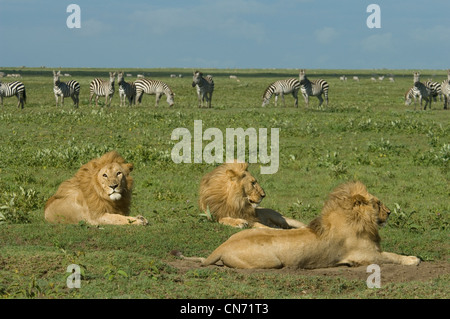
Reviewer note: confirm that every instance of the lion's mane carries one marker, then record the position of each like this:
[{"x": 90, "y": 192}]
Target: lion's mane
[
  {"x": 85, "y": 187},
  {"x": 221, "y": 191}
]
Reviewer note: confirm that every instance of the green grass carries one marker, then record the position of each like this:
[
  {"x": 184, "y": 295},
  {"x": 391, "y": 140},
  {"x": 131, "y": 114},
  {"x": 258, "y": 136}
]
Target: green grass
[{"x": 366, "y": 133}]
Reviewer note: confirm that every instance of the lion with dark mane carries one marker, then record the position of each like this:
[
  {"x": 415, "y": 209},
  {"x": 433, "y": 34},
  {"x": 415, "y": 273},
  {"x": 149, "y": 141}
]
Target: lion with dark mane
[
  {"x": 99, "y": 193},
  {"x": 346, "y": 233},
  {"x": 232, "y": 195}
]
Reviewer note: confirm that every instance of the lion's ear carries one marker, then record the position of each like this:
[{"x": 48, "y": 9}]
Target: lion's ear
[
  {"x": 359, "y": 200},
  {"x": 129, "y": 166},
  {"x": 233, "y": 175}
]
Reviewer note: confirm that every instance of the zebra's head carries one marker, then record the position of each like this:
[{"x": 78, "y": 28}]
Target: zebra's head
[
  {"x": 408, "y": 96},
  {"x": 112, "y": 77},
  {"x": 170, "y": 99},
  {"x": 416, "y": 77},
  {"x": 56, "y": 77},
  {"x": 196, "y": 78},
  {"x": 120, "y": 78},
  {"x": 302, "y": 76},
  {"x": 267, "y": 95}
]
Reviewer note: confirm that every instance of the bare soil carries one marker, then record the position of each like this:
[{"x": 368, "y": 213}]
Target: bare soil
[{"x": 390, "y": 273}]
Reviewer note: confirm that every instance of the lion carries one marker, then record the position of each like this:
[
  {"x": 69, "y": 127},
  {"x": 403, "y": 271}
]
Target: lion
[
  {"x": 346, "y": 233},
  {"x": 232, "y": 195},
  {"x": 99, "y": 194}
]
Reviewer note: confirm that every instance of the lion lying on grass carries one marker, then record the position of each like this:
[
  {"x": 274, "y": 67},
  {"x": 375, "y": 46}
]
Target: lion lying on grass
[
  {"x": 346, "y": 233},
  {"x": 99, "y": 193},
  {"x": 232, "y": 195}
]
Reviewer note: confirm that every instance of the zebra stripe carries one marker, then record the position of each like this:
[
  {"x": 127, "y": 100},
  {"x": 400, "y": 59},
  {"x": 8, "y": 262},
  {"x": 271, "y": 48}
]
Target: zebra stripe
[
  {"x": 153, "y": 87},
  {"x": 62, "y": 89},
  {"x": 435, "y": 89},
  {"x": 126, "y": 90},
  {"x": 313, "y": 88},
  {"x": 204, "y": 87},
  {"x": 445, "y": 88},
  {"x": 421, "y": 91},
  {"x": 13, "y": 88},
  {"x": 281, "y": 88},
  {"x": 99, "y": 87}
]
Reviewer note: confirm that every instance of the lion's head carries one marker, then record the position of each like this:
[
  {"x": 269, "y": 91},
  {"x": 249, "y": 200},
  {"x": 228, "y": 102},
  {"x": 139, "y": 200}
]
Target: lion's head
[
  {"x": 351, "y": 210},
  {"x": 106, "y": 184},
  {"x": 230, "y": 191}
]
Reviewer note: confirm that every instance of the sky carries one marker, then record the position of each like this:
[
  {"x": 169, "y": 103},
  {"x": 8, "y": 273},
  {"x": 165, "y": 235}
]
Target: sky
[{"x": 229, "y": 34}]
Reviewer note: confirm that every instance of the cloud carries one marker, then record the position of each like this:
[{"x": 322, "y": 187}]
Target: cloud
[
  {"x": 232, "y": 19},
  {"x": 325, "y": 35},
  {"x": 435, "y": 34},
  {"x": 378, "y": 42}
]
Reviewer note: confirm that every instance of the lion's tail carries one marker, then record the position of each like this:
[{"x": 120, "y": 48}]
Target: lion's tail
[{"x": 178, "y": 254}]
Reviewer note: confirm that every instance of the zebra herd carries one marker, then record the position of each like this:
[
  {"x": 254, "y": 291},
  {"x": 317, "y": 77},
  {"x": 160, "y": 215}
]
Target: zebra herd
[
  {"x": 134, "y": 91},
  {"x": 428, "y": 91},
  {"x": 293, "y": 85}
]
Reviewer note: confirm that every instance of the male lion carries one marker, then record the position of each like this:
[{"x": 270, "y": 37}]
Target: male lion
[
  {"x": 346, "y": 233},
  {"x": 99, "y": 193},
  {"x": 232, "y": 195}
]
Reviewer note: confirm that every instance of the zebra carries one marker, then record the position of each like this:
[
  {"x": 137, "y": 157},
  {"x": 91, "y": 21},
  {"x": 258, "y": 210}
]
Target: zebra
[
  {"x": 204, "y": 86},
  {"x": 282, "y": 87},
  {"x": 153, "y": 87},
  {"x": 126, "y": 90},
  {"x": 313, "y": 88},
  {"x": 62, "y": 89},
  {"x": 445, "y": 88},
  {"x": 421, "y": 91},
  {"x": 13, "y": 88},
  {"x": 435, "y": 89},
  {"x": 99, "y": 87}
]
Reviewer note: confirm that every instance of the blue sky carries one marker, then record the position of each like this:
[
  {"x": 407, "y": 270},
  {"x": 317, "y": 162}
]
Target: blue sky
[{"x": 327, "y": 34}]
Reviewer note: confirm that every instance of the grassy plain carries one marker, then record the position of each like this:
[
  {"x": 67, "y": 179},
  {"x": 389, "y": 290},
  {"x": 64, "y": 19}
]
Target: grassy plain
[{"x": 366, "y": 133}]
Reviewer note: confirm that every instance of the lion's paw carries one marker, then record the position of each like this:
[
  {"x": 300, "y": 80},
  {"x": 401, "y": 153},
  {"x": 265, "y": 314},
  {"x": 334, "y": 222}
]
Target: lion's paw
[
  {"x": 141, "y": 220},
  {"x": 411, "y": 261}
]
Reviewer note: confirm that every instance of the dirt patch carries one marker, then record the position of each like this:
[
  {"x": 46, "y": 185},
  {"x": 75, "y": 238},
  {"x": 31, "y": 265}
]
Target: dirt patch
[{"x": 389, "y": 273}]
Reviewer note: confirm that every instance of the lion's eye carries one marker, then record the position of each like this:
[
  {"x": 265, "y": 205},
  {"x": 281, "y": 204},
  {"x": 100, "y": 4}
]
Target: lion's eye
[
  {"x": 105, "y": 176},
  {"x": 119, "y": 173}
]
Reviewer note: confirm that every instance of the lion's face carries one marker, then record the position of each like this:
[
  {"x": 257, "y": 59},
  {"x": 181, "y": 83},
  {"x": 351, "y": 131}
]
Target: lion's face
[
  {"x": 380, "y": 210},
  {"x": 112, "y": 179},
  {"x": 251, "y": 190}
]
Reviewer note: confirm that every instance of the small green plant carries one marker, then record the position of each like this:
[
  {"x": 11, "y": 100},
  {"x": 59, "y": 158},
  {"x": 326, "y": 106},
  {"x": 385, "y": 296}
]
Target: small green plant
[{"x": 207, "y": 214}]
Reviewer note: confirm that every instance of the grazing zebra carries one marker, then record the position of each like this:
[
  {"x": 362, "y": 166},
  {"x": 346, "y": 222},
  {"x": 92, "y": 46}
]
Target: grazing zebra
[
  {"x": 282, "y": 87},
  {"x": 445, "y": 88},
  {"x": 313, "y": 88},
  {"x": 153, "y": 87},
  {"x": 126, "y": 90},
  {"x": 435, "y": 89},
  {"x": 62, "y": 89},
  {"x": 99, "y": 87},
  {"x": 204, "y": 86},
  {"x": 13, "y": 88},
  {"x": 421, "y": 91}
]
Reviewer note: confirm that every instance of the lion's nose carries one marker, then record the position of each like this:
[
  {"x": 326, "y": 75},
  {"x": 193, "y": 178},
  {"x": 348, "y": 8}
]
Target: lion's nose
[
  {"x": 114, "y": 186},
  {"x": 263, "y": 195}
]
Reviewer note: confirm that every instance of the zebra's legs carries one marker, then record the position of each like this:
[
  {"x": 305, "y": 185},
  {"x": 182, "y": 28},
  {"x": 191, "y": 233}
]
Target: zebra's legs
[
  {"x": 306, "y": 99},
  {"x": 20, "y": 101},
  {"x": 320, "y": 99},
  {"x": 282, "y": 97},
  {"x": 158, "y": 97},
  {"x": 295, "y": 95},
  {"x": 210, "y": 99}
]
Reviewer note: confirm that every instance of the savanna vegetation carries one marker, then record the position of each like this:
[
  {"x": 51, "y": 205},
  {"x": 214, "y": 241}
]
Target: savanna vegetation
[{"x": 366, "y": 133}]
